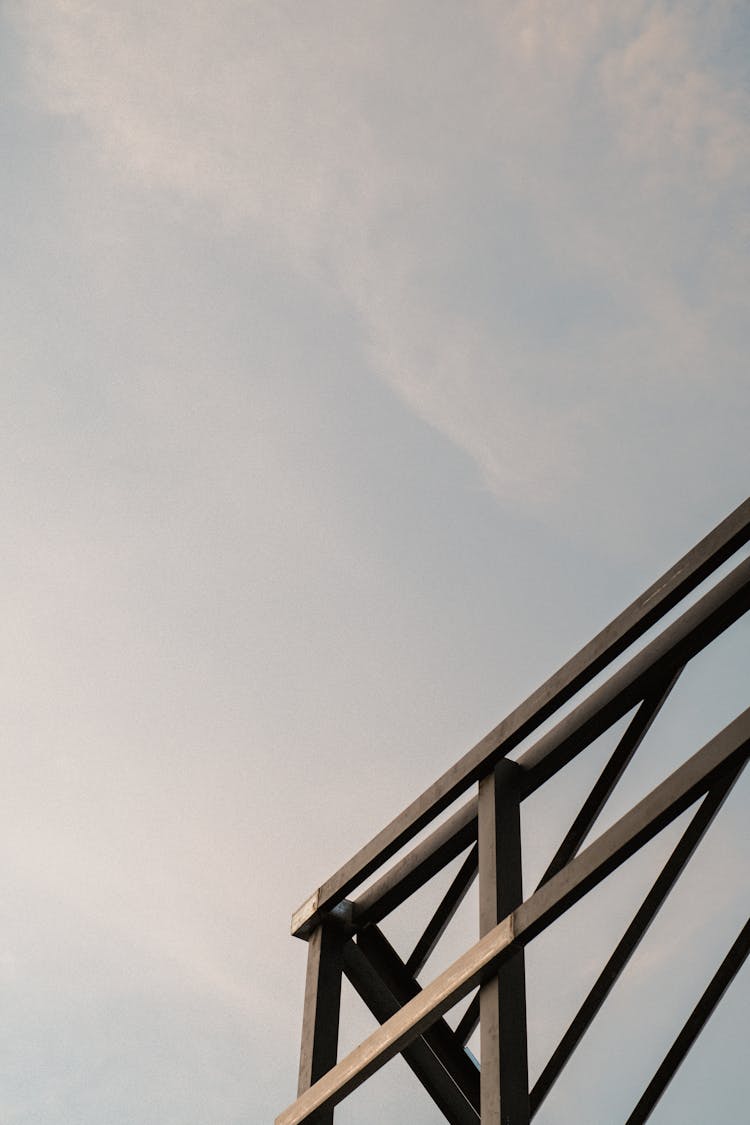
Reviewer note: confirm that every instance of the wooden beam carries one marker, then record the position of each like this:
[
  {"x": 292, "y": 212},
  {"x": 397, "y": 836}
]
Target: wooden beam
[
  {"x": 502, "y": 998},
  {"x": 320, "y": 1020}
]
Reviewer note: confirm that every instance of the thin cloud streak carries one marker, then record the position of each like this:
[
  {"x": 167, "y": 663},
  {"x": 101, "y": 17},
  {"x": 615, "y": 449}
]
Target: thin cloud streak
[{"x": 348, "y": 144}]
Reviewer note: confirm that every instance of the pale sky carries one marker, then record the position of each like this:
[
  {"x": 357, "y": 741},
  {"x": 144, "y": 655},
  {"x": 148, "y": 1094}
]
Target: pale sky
[{"x": 359, "y": 361}]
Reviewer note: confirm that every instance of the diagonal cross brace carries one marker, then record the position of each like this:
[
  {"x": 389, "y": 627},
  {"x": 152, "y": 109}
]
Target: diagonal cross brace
[
  {"x": 447, "y": 1073},
  {"x": 404, "y": 988}
]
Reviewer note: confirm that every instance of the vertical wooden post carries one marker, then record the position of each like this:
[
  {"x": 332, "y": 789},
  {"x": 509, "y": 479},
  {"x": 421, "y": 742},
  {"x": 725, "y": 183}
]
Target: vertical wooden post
[
  {"x": 504, "y": 1075},
  {"x": 320, "y": 1021}
]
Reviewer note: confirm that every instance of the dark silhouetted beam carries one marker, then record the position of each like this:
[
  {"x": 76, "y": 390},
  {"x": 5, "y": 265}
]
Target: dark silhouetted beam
[
  {"x": 632, "y": 937},
  {"x": 637, "y": 730},
  {"x": 419, "y": 1056},
  {"x": 502, "y": 998},
  {"x": 417, "y": 868},
  {"x": 320, "y": 1018},
  {"x": 439, "y": 1037},
  {"x": 449, "y": 904},
  {"x": 469, "y": 1021},
  {"x": 695, "y": 1023}
]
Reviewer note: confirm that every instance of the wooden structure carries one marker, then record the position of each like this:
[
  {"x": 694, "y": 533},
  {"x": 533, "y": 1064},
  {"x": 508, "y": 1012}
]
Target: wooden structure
[{"x": 342, "y": 927}]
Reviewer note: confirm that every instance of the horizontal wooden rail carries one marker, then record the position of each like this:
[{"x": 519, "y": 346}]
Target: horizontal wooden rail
[{"x": 414, "y": 870}]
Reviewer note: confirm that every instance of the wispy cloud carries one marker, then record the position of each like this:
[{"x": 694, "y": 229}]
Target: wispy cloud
[{"x": 566, "y": 151}]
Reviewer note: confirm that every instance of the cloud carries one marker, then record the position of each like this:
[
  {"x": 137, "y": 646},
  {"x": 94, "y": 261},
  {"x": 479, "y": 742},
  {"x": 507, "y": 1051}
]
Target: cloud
[{"x": 586, "y": 163}]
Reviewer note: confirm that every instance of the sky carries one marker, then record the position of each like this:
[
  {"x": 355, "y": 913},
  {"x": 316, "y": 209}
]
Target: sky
[{"x": 359, "y": 362}]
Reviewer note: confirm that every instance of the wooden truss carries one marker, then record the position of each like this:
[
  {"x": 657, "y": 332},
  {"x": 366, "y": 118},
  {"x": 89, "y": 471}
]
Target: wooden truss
[{"x": 343, "y": 932}]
